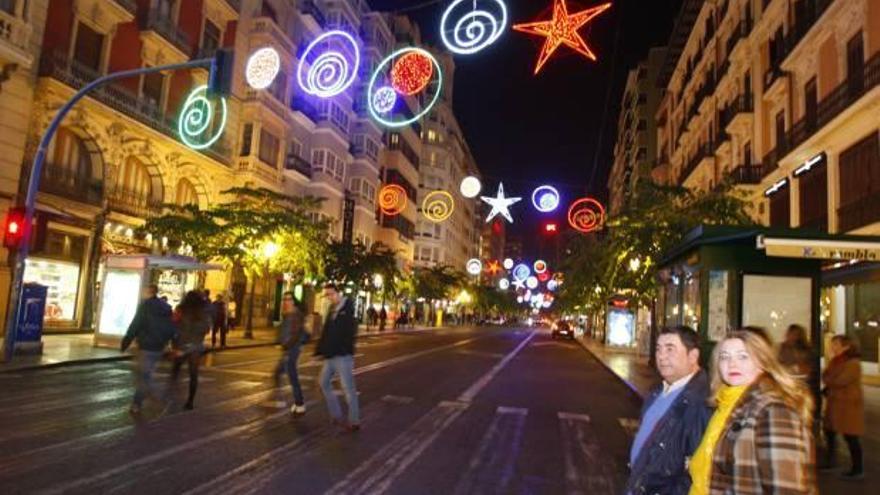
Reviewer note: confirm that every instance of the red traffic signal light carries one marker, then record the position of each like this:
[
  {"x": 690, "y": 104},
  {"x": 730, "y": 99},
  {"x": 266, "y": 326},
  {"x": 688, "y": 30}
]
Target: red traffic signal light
[
  {"x": 14, "y": 231},
  {"x": 551, "y": 228}
]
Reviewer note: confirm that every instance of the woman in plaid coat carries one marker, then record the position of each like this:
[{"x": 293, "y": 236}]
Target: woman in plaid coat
[{"x": 759, "y": 439}]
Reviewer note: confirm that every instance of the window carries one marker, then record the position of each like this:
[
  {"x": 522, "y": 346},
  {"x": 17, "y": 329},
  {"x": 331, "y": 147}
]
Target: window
[
  {"x": 269, "y": 147},
  {"x": 89, "y": 47},
  {"x": 268, "y": 11},
  {"x": 855, "y": 63},
  {"x": 132, "y": 180},
  {"x": 210, "y": 38},
  {"x": 747, "y": 153},
  {"x": 69, "y": 160},
  {"x": 152, "y": 88},
  {"x": 811, "y": 102},
  {"x": 294, "y": 148},
  {"x": 278, "y": 88},
  {"x": 780, "y": 208},
  {"x": 247, "y": 135},
  {"x": 327, "y": 162},
  {"x": 813, "y": 199},
  {"x": 780, "y": 130},
  {"x": 860, "y": 184},
  {"x": 185, "y": 193}
]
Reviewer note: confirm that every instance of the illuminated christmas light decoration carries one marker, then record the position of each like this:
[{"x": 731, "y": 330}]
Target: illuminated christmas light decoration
[
  {"x": 519, "y": 299},
  {"x": 196, "y": 124},
  {"x": 540, "y": 266},
  {"x": 470, "y": 187},
  {"x": 551, "y": 228},
  {"x": 521, "y": 272},
  {"x": 493, "y": 267},
  {"x": 508, "y": 264},
  {"x": 380, "y": 71},
  {"x": 552, "y": 285},
  {"x": 392, "y": 199},
  {"x": 438, "y": 206},
  {"x": 504, "y": 284},
  {"x": 562, "y": 29},
  {"x": 262, "y": 67},
  {"x": 475, "y": 28},
  {"x": 411, "y": 73},
  {"x": 519, "y": 284},
  {"x": 532, "y": 282},
  {"x": 545, "y": 199},
  {"x": 474, "y": 267},
  {"x": 384, "y": 99},
  {"x": 329, "y": 72},
  {"x": 586, "y": 215},
  {"x": 543, "y": 276},
  {"x": 500, "y": 204}
]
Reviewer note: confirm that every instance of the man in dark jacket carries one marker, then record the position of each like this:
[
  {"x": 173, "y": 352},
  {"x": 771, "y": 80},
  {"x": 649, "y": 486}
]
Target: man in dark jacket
[
  {"x": 152, "y": 329},
  {"x": 674, "y": 418},
  {"x": 336, "y": 346}
]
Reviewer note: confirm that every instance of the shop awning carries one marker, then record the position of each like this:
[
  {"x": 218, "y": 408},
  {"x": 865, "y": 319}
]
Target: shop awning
[{"x": 824, "y": 249}]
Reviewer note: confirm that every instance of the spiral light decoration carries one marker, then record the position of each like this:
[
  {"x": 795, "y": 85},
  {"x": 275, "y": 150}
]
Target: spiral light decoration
[
  {"x": 586, "y": 215},
  {"x": 380, "y": 78},
  {"x": 330, "y": 72},
  {"x": 196, "y": 123},
  {"x": 392, "y": 199},
  {"x": 472, "y": 28},
  {"x": 474, "y": 267},
  {"x": 438, "y": 206}
]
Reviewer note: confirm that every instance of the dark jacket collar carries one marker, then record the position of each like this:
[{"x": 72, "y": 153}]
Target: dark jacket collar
[{"x": 696, "y": 389}]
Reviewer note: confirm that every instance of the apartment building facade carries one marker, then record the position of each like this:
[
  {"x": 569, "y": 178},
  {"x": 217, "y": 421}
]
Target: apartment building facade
[
  {"x": 636, "y": 143},
  {"x": 780, "y": 98}
]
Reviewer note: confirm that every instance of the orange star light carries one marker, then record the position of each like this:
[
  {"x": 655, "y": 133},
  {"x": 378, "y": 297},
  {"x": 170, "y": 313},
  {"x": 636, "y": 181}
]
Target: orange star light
[
  {"x": 493, "y": 267},
  {"x": 562, "y": 29}
]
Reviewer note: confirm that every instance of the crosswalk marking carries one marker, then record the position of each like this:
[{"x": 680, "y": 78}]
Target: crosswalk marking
[
  {"x": 379, "y": 471},
  {"x": 491, "y": 469},
  {"x": 587, "y": 470}
]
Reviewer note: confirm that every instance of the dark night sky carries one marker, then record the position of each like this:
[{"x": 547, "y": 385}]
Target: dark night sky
[{"x": 525, "y": 129}]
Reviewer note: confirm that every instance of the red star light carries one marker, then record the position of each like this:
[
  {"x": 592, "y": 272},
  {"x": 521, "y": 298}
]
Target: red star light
[
  {"x": 493, "y": 267},
  {"x": 562, "y": 29}
]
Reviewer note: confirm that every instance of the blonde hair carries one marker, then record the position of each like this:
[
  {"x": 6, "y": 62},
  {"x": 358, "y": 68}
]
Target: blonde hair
[{"x": 792, "y": 390}]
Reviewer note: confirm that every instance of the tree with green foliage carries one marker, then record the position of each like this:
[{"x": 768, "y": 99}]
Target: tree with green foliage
[
  {"x": 257, "y": 231},
  {"x": 354, "y": 264}
]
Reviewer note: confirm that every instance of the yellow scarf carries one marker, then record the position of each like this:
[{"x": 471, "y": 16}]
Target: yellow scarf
[{"x": 700, "y": 465}]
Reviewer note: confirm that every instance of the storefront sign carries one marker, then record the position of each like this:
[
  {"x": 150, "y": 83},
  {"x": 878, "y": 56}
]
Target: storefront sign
[{"x": 820, "y": 249}]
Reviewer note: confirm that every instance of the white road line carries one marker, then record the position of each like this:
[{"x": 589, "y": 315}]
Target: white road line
[
  {"x": 378, "y": 473},
  {"x": 395, "y": 399},
  {"x": 229, "y": 432},
  {"x": 493, "y": 355},
  {"x": 480, "y": 384},
  {"x": 491, "y": 468},
  {"x": 588, "y": 471}
]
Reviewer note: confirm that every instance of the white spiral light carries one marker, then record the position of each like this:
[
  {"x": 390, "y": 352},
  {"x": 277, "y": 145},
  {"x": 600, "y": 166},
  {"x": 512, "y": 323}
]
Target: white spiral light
[
  {"x": 197, "y": 118},
  {"x": 474, "y": 28},
  {"x": 330, "y": 72}
]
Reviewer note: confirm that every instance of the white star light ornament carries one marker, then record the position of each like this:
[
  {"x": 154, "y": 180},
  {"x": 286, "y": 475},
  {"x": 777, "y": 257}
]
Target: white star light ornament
[
  {"x": 518, "y": 284},
  {"x": 500, "y": 204}
]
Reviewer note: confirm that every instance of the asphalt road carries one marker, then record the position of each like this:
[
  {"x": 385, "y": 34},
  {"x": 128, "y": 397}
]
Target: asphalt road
[{"x": 466, "y": 411}]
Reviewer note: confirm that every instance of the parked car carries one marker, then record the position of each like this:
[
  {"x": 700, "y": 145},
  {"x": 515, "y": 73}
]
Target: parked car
[{"x": 562, "y": 329}]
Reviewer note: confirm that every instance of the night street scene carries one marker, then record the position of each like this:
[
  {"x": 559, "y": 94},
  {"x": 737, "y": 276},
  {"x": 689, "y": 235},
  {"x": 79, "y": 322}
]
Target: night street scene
[{"x": 452, "y": 247}]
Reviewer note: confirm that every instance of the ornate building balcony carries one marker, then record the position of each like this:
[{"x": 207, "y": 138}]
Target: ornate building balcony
[
  {"x": 71, "y": 184},
  {"x": 15, "y": 36},
  {"x": 162, "y": 25},
  {"x": 750, "y": 174},
  {"x": 134, "y": 203},
  {"x": 298, "y": 164}
]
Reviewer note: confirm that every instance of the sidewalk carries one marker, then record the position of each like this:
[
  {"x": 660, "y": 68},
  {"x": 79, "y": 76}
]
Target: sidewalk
[
  {"x": 635, "y": 372},
  {"x": 64, "y": 350}
]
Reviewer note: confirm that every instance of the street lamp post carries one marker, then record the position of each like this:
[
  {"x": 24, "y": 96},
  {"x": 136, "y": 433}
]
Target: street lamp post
[{"x": 267, "y": 252}]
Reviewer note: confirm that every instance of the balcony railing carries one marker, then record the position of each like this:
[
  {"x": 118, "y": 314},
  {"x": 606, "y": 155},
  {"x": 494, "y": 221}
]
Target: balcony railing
[
  {"x": 57, "y": 66},
  {"x": 298, "y": 164},
  {"x": 707, "y": 150},
  {"x": 15, "y": 32},
  {"x": 71, "y": 184},
  {"x": 134, "y": 203},
  {"x": 164, "y": 26},
  {"x": 747, "y": 174},
  {"x": 129, "y": 5},
  {"x": 860, "y": 213},
  {"x": 838, "y": 100},
  {"x": 802, "y": 24},
  {"x": 771, "y": 161}
]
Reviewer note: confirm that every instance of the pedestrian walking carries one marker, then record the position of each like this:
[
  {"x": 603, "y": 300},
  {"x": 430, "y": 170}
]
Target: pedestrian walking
[
  {"x": 759, "y": 439},
  {"x": 673, "y": 417},
  {"x": 372, "y": 317},
  {"x": 383, "y": 318},
  {"x": 795, "y": 352},
  {"x": 291, "y": 337},
  {"x": 193, "y": 326},
  {"x": 221, "y": 321},
  {"x": 152, "y": 329},
  {"x": 845, "y": 410},
  {"x": 336, "y": 346}
]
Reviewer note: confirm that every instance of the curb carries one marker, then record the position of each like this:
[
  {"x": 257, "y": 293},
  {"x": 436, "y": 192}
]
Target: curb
[
  {"x": 632, "y": 388},
  {"x": 114, "y": 359}
]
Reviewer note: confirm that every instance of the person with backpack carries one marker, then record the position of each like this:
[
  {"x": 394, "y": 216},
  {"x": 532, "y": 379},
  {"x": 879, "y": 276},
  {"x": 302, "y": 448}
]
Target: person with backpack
[
  {"x": 194, "y": 325},
  {"x": 291, "y": 336},
  {"x": 152, "y": 328}
]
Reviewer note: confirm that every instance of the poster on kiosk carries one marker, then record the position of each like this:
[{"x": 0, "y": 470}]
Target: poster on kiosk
[{"x": 126, "y": 277}]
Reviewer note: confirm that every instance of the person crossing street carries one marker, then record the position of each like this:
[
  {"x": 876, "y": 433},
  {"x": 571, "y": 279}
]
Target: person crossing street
[{"x": 336, "y": 346}]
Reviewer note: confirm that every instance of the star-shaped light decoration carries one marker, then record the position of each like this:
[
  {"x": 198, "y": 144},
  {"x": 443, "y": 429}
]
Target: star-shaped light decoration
[
  {"x": 493, "y": 267},
  {"x": 562, "y": 29},
  {"x": 518, "y": 284},
  {"x": 500, "y": 204}
]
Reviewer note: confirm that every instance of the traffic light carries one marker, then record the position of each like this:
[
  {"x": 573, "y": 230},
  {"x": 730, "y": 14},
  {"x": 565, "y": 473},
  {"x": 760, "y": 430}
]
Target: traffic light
[
  {"x": 15, "y": 228},
  {"x": 222, "y": 68}
]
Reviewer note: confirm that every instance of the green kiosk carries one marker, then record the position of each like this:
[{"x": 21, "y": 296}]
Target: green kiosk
[{"x": 721, "y": 278}]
